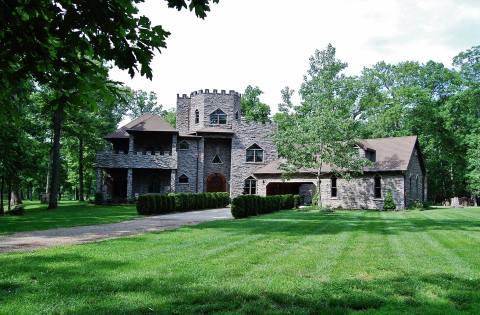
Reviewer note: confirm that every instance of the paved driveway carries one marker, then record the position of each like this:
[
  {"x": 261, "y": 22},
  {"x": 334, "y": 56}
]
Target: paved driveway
[{"x": 25, "y": 241}]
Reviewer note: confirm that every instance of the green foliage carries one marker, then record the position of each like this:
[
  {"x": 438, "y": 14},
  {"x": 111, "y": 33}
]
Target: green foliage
[
  {"x": 322, "y": 129},
  {"x": 180, "y": 202},
  {"x": 389, "y": 203},
  {"x": 297, "y": 200},
  {"x": 252, "y": 108},
  {"x": 251, "y": 205}
]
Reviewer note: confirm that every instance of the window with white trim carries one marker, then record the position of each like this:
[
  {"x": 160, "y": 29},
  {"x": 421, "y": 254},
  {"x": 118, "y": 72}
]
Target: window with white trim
[
  {"x": 218, "y": 117},
  {"x": 254, "y": 154},
  {"x": 250, "y": 186}
]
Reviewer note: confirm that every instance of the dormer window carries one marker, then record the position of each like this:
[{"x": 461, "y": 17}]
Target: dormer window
[
  {"x": 197, "y": 116},
  {"x": 218, "y": 117},
  {"x": 254, "y": 154},
  {"x": 370, "y": 155},
  {"x": 183, "y": 145}
]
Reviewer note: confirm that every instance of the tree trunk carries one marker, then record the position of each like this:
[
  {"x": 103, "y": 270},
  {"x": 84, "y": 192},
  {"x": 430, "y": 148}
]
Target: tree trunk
[
  {"x": 80, "y": 169},
  {"x": 2, "y": 212},
  {"x": 55, "y": 180},
  {"x": 9, "y": 206},
  {"x": 16, "y": 196},
  {"x": 319, "y": 191}
]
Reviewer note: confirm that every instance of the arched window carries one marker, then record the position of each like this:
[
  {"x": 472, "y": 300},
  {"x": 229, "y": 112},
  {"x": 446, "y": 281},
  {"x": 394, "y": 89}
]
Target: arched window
[
  {"x": 377, "y": 186},
  {"x": 254, "y": 154},
  {"x": 218, "y": 117},
  {"x": 250, "y": 187},
  {"x": 183, "y": 145},
  {"x": 333, "y": 186},
  {"x": 183, "y": 179},
  {"x": 197, "y": 116},
  {"x": 216, "y": 159}
]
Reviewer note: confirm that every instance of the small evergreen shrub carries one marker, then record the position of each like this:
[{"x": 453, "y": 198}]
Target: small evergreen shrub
[
  {"x": 296, "y": 201},
  {"x": 389, "y": 203},
  {"x": 17, "y": 210},
  {"x": 98, "y": 198}
]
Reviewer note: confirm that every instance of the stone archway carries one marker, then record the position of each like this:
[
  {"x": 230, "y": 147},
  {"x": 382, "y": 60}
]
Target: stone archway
[{"x": 216, "y": 183}]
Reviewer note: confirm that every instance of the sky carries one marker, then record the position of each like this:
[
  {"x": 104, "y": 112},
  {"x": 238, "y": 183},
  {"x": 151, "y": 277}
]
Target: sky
[{"x": 267, "y": 43}]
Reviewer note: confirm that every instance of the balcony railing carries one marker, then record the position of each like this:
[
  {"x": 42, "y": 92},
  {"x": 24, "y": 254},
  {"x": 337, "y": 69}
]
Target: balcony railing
[{"x": 144, "y": 159}]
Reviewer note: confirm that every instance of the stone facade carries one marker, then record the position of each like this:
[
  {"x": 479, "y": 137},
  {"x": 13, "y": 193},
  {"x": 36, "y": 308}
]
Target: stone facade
[{"x": 199, "y": 156}]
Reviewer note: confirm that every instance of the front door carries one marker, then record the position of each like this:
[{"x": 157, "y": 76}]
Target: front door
[{"x": 216, "y": 183}]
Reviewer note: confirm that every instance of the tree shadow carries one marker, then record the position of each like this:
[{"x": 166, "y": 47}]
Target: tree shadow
[
  {"x": 56, "y": 284},
  {"x": 308, "y": 223}
]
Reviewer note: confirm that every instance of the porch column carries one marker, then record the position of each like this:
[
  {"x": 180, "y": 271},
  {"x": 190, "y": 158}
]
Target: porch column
[
  {"x": 130, "y": 184},
  {"x": 130, "y": 144},
  {"x": 99, "y": 180},
  {"x": 173, "y": 174},
  {"x": 200, "y": 164}
]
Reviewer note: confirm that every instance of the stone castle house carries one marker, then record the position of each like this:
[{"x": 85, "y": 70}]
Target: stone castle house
[{"x": 214, "y": 149}]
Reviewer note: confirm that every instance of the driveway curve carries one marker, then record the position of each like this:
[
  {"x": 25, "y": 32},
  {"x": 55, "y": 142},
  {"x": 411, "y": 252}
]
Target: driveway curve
[{"x": 26, "y": 241}]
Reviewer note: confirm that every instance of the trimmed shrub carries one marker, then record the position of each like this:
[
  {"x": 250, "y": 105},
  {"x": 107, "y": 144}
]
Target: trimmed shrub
[
  {"x": 250, "y": 205},
  {"x": 160, "y": 204},
  {"x": 389, "y": 203},
  {"x": 296, "y": 201},
  {"x": 17, "y": 210}
]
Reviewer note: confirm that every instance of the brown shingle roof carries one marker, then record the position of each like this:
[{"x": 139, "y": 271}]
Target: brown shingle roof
[
  {"x": 146, "y": 122},
  {"x": 392, "y": 154}
]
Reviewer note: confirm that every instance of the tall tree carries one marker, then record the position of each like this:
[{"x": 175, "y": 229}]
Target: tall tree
[
  {"x": 67, "y": 46},
  {"x": 322, "y": 129},
  {"x": 252, "y": 108}
]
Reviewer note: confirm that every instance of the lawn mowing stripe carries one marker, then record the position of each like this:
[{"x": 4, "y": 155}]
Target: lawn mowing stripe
[{"x": 456, "y": 262}]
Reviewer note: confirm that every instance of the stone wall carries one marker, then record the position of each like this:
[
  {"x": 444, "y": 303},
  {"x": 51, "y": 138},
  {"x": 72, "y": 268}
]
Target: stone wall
[
  {"x": 183, "y": 108},
  {"x": 414, "y": 181},
  {"x": 188, "y": 162},
  {"x": 247, "y": 134},
  {"x": 222, "y": 148},
  {"x": 356, "y": 193}
]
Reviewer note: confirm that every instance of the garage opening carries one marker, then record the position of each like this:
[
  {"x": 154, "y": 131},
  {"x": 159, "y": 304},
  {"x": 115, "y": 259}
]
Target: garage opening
[{"x": 305, "y": 190}]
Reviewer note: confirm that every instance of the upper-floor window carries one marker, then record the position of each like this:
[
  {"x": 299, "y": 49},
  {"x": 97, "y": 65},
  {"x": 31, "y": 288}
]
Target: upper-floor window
[
  {"x": 237, "y": 115},
  {"x": 183, "y": 145},
  {"x": 197, "y": 116},
  {"x": 250, "y": 186},
  {"x": 377, "y": 186},
  {"x": 218, "y": 117},
  {"x": 333, "y": 186},
  {"x": 183, "y": 179},
  {"x": 254, "y": 154}
]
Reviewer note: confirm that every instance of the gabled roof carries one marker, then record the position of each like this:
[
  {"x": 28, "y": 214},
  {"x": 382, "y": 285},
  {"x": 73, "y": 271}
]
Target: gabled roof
[
  {"x": 147, "y": 122},
  {"x": 392, "y": 154}
]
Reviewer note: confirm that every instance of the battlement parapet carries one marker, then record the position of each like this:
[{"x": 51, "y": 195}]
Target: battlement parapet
[{"x": 208, "y": 92}]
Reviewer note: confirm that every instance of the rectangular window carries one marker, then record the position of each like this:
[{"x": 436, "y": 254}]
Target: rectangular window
[
  {"x": 378, "y": 187},
  {"x": 334, "y": 187},
  {"x": 250, "y": 187},
  {"x": 250, "y": 155}
]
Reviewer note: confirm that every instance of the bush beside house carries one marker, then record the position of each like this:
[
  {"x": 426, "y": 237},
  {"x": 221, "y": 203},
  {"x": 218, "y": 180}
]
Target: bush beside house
[
  {"x": 250, "y": 205},
  {"x": 181, "y": 202}
]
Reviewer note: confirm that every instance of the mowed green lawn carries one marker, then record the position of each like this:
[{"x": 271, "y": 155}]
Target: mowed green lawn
[
  {"x": 292, "y": 262},
  {"x": 69, "y": 213}
]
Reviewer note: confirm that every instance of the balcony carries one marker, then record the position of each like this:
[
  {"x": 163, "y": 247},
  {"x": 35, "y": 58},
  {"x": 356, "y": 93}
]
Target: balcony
[{"x": 145, "y": 159}]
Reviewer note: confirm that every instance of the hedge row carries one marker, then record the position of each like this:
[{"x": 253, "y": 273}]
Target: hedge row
[
  {"x": 159, "y": 204},
  {"x": 249, "y": 205}
]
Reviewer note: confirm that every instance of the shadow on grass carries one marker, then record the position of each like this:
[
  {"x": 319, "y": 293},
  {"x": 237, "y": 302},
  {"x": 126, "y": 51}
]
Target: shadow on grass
[
  {"x": 307, "y": 223},
  {"x": 72, "y": 283}
]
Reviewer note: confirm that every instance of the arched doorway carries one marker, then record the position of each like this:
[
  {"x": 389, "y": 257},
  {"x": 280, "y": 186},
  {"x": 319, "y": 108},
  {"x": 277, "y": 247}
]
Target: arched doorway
[{"x": 216, "y": 183}]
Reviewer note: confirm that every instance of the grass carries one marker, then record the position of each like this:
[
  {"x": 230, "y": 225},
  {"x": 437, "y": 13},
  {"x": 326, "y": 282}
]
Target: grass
[
  {"x": 291, "y": 262},
  {"x": 69, "y": 213}
]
